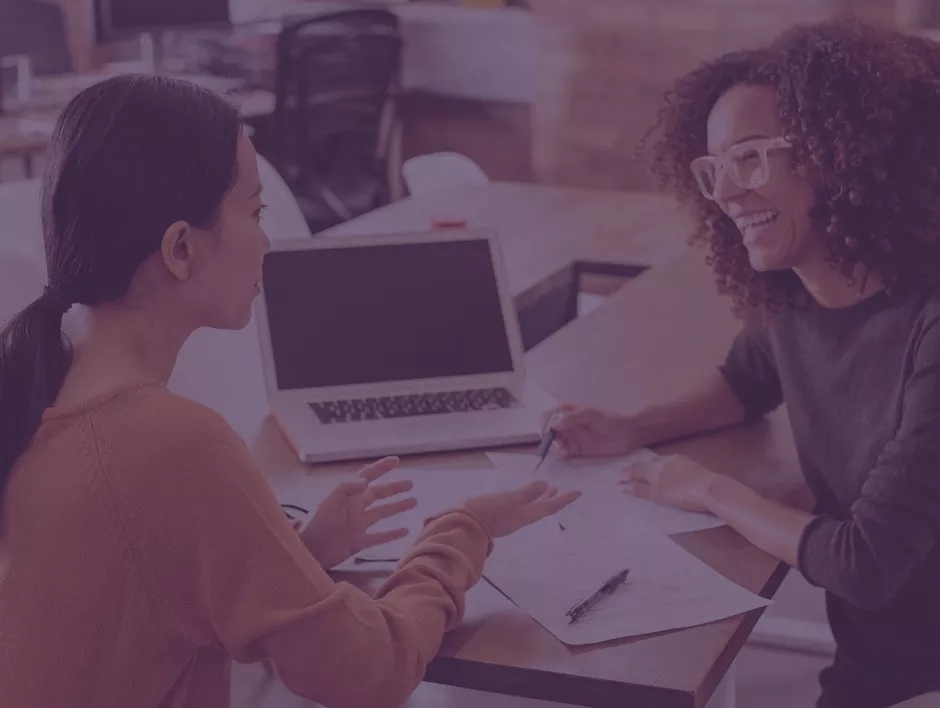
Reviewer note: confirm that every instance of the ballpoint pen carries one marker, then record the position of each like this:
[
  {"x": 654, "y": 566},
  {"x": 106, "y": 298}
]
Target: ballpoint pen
[
  {"x": 544, "y": 446},
  {"x": 606, "y": 589}
]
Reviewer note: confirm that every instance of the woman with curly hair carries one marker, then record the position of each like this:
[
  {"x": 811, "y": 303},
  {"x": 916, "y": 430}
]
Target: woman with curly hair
[{"x": 812, "y": 169}]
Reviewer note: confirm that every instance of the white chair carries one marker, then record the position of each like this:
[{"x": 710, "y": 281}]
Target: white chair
[
  {"x": 441, "y": 170},
  {"x": 22, "y": 263},
  {"x": 21, "y": 282},
  {"x": 283, "y": 218},
  {"x": 20, "y": 224}
]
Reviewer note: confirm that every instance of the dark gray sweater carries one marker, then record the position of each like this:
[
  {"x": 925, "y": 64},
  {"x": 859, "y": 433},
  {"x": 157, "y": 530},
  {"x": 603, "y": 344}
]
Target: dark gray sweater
[{"x": 862, "y": 389}]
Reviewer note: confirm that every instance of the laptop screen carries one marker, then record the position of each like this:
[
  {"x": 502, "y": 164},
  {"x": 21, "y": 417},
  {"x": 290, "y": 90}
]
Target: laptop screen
[{"x": 383, "y": 313}]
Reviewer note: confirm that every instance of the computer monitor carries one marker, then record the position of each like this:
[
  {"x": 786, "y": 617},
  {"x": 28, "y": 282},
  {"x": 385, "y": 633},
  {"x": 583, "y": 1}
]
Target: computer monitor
[{"x": 120, "y": 19}]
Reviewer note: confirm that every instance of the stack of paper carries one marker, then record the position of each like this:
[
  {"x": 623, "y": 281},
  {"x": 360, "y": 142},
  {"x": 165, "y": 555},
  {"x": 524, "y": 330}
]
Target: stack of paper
[
  {"x": 546, "y": 571},
  {"x": 548, "y": 567},
  {"x": 598, "y": 479}
]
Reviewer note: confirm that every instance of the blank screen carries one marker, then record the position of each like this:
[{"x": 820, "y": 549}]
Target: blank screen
[
  {"x": 141, "y": 15},
  {"x": 382, "y": 313}
]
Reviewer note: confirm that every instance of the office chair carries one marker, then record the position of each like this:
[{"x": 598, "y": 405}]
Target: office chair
[
  {"x": 22, "y": 259},
  {"x": 283, "y": 219},
  {"x": 337, "y": 78},
  {"x": 37, "y": 30}
]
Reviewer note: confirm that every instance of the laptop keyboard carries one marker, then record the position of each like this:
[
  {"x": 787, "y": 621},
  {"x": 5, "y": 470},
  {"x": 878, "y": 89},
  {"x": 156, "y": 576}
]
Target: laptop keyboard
[{"x": 405, "y": 406}]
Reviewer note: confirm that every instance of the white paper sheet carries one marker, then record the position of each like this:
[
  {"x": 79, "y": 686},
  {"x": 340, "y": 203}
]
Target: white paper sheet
[
  {"x": 603, "y": 497},
  {"x": 436, "y": 490},
  {"x": 545, "y": 571}
]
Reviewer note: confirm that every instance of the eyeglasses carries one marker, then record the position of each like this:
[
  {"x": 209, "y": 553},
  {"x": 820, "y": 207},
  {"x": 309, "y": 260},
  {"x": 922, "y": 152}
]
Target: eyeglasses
[{"x": 746, "y": 164}]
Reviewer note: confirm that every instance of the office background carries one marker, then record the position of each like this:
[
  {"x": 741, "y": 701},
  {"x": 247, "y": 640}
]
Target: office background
[{"x": 548, "y": 91}]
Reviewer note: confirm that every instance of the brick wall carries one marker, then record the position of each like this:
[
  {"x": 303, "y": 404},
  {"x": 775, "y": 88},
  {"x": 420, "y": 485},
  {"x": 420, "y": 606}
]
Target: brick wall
[
  {"x": 497, "y": 136},
  {"x": 604, "y": 65}
]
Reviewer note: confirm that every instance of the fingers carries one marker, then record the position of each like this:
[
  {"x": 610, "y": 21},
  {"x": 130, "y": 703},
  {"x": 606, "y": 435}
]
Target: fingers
[
  {"x": 566, "y": 448},
  {"x": 548, "y": 493},
  {"x": 640, "y": 489},
  {"x": 384, "y": 511},
  {"x": 574, "y": 418},
  {"x": 566, "y": 424},
  {"x": 369, "y": 474},
  {"x": 384, "y": 491},
  {"x": 557, "y": 502},
  {"x": 549, "y": 417},
  {"x": 547, "y": 505},
  {"x": 377, "y": 539},
  {"x": 642, "y": 471},
  {"x": 526, "y": 494},
  {"x": 357, "y": 486},
  {"x": 377, "y": 469}
]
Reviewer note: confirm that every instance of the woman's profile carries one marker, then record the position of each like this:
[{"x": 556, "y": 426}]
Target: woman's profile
[{"x": 143, "y": 551}]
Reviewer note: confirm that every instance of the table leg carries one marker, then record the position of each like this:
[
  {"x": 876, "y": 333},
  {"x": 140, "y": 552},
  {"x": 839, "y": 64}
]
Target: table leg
[
  {"x": 395, "y": 159},
  {"x": 725, "y": 695}
]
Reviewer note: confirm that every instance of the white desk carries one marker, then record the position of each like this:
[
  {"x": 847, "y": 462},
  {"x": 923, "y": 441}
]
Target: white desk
[
  {"x": 928, "y": 700},
  {"x": 669, "y": 326}
]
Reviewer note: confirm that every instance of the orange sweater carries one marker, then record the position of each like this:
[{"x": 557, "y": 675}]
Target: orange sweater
[{"x": 141, "y": 551}]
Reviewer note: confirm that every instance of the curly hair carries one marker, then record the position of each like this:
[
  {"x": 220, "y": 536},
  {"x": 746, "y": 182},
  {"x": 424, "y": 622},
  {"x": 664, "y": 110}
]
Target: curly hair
[{"x": 861, "y": 105}]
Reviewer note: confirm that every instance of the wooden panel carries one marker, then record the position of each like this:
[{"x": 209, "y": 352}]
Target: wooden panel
[
  {"x": 549, "y": 306},
  {"x": 496, "y": 136},
  {"x": 604, "y": 66}
]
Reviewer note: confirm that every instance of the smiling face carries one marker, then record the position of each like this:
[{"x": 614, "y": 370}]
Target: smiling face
[{"x": 773, "y": 218}]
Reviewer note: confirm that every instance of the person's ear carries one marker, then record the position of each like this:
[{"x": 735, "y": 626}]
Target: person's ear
[{"x": 178, "y": 249}]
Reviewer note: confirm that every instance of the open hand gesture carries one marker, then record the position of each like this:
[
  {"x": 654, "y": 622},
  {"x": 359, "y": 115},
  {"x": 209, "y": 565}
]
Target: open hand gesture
[{"x": 340, "y": 525}]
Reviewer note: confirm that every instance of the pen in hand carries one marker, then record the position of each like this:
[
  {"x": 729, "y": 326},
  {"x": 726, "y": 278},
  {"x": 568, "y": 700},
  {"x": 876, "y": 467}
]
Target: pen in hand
[{"x": 544, "y": 446}]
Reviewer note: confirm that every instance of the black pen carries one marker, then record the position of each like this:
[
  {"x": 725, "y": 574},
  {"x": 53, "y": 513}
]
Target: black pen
[
  {"x": 606, "y": 589},
  {"x": 544, "y": 446}
]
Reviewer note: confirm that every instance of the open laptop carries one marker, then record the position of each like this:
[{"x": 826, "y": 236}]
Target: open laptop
[{"x": 394, "y": 344}]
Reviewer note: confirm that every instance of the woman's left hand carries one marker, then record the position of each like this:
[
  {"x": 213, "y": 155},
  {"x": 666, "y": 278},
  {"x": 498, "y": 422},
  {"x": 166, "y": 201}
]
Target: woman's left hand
[
  {"x": 340, "y": 525},
  {"x": 673, "y": 480}
]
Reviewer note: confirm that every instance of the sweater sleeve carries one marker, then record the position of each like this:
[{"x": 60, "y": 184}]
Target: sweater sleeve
[
  {"x": 751, "y": 372},
  {"x": 227, "y": 571},
  {"x": 867, "y": 558}
]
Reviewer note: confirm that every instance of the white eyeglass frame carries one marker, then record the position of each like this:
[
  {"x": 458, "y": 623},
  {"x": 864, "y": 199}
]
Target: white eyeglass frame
[{"x": 721, "y": 162}]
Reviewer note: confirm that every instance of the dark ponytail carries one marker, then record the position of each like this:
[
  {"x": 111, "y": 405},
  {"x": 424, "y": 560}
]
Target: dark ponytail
[
  {"x": 129, "y": 157},
  {"x": 34, "y": 359}
]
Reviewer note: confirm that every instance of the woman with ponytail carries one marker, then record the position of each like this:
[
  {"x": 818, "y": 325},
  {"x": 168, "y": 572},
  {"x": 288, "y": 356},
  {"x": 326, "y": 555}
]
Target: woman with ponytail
[
  {"x": 141, "y": 549},
  {"x": 33, "y": 363}
]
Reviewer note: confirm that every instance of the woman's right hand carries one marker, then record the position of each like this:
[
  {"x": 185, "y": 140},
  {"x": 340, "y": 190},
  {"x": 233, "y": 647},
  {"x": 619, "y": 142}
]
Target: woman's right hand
[
  {"x": 504, "y": 513},
  {"x": 581, "y": 431}
]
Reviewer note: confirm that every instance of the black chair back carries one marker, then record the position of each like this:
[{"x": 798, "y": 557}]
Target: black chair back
[{"x": 337, "y": 78}]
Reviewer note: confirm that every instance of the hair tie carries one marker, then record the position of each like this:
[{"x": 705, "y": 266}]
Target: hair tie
[{"x": 55, "y": 297}]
